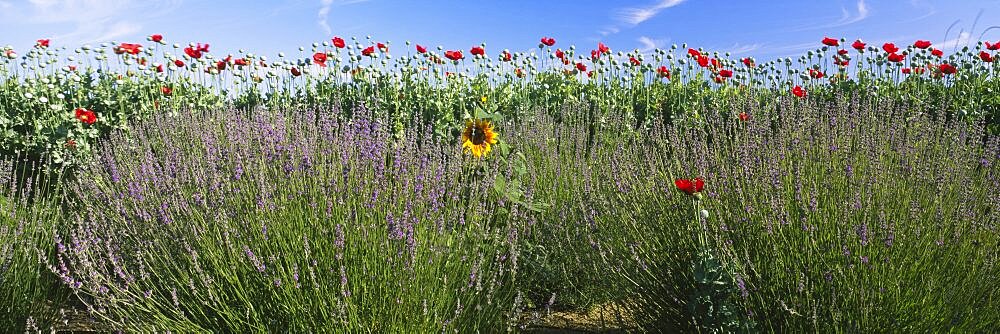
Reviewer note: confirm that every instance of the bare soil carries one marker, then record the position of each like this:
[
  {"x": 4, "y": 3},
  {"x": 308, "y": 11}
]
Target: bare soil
[{"x": 608, "y": 318}]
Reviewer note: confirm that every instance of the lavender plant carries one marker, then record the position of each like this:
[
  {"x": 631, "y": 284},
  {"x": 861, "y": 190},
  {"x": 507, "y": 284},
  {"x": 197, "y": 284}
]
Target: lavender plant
[
  {"x": 851, "y": 215},
  {"x": 291, "y": 222},
  {"x": 29, "y": 296}
]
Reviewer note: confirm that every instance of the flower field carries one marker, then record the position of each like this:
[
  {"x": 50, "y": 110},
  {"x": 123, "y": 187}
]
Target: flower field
[{"x": 364, "y": 186}]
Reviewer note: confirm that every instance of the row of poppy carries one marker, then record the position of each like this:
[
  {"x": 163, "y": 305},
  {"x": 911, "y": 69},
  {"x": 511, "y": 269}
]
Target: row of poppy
[
  {"x": 197, "y": 50},
  {"x": 840, "y": 58}
]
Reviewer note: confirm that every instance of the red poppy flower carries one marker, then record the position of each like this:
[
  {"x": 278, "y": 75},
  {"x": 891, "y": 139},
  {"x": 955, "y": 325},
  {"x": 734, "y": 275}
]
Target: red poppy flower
[
  {"x": 798, "y": 91},
  {"x": 590, "y": 74},
  {"x": 477, "y": 51},
  {"x": 73, "y": 68},
  {"x": 816, "y": 74},
  {"x": 178, "y": 63},
  {"x": 42, "y": 43},
  {"x": 518, "y": 72},
  {"x": 196, "y": 51},
  {"x": 889, "y": 48},
  {"x": 506, "y": 56},
  {"x": 858, "y": 45},
  {"x": 86, "y": 116},
  {"x": 368, "y": 51},
  {"x": 560, "y": 54},
  {"x": 159, "y": 68},
  {"x": 634, "y": 61},
  {"x": 454, "y": 55},
  {"x": 221, "y": 65},
  {"x": 895, "y": 57},
  {"x": 703, "y": 61},
  {"x": 70, "y": 143},
  {"x": 715, "y": 63},
  {"x": 747, "y": 61},
  {"x": 985, "y": 56},
  {"x": 295, "y": 72},
  {"x": 142, "y": 61},
  {"x": 842, "y": 52},
  {"x": 719, "y": 79},
  {"x": 905, "y": 70},
  {"x": 937, "y": 53},
  {"x": 693, "y": 53},
  {"x": 382, "y": 47},
  {"x": 319, "y": 58},
  {"x": 603, "y": 48},
  {"x": 193, "y": 53},
  {"x": 548, "y": 41},
  {"x": 240, "y": 62},
  {"x": 993, "y": 47},
  {"x": 594, "y": 55},
  {"x": 581, "y": 66},
  {"x": 922, "y": 44},
  {"x": 947, "y": 68},
  {"x": 685, "y": 185},
  {"x": 156, "y": 38},
  {"x": 421, "y": 49},
  {"x": 690, "y": 186},
  {"x": 166, "y": 90},
  {"x": 830, "y": 41},
  {"x": 744, "y": 116},
  {"x": 726, "y": 73},
  {"x": 663, "y": 71},
  {"x": 338, "y": 42},
  {"x": 132, "y": 49}
]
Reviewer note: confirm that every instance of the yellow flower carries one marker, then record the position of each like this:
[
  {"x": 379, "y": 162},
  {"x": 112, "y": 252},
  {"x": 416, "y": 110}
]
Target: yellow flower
[
  {"x": 483, "y": 99},
  {"x": 477, "y": 137}
]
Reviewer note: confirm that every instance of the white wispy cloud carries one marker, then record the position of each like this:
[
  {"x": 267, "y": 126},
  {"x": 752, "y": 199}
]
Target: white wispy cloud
[
  {"x": 788, "y": 49},
  {"x": 861, "y": 13},
  {"x": 324, "y": 12},
  {"x": 91, "y": 20},
  {"x": 960, "y": 41},
  {"x": 737, "y": 49},
  {"x": 636, "y": 15},
  {"x": 930, "y": 10},
  {"x": 610, "y": 30},
  {"x": 649, "y": 44},
  {"x": 116, "y": 30},
  {"x": 633, "y": 16}
]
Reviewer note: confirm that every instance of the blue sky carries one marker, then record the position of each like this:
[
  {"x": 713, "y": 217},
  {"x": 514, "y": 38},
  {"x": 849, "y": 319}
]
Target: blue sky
[{"x": 764, "y": 29}]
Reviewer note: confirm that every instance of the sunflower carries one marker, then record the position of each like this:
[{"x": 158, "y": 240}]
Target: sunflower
[{"x": 478, "y": 136}]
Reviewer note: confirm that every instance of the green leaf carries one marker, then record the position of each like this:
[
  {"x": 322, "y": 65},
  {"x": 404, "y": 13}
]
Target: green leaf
[
  {"x": 500, "y": 185},
  {"x": 504, "y": 148}
]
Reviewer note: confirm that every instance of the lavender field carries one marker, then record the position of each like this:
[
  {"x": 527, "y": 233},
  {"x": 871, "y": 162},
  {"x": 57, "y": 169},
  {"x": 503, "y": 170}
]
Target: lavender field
[{"x": 156, "y": 187}]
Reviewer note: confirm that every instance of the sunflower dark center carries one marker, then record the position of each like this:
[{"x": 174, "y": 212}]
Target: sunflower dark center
[{"x": 478, "y": 136}]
